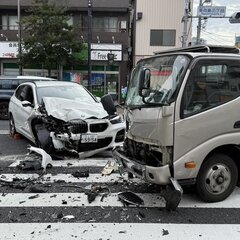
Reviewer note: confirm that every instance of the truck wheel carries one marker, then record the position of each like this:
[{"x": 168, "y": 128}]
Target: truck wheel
[
  {"x": 12, "y": 129},
  {"x": 4, "y": 110},
  {"x": 217, "y": 178}
]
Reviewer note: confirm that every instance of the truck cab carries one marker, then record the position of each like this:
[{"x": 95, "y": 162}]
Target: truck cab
[{"x": 183, "y": 120}]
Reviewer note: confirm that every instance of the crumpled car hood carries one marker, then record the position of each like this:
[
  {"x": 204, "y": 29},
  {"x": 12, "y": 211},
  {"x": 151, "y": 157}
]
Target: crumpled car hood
[{"x": 67, "y": 110}]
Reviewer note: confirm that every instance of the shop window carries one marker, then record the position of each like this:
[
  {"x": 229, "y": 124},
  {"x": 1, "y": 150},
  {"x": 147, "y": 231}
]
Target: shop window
[
  {"x": 162, "y": 37},
  {"x": 112, "y": 68}
]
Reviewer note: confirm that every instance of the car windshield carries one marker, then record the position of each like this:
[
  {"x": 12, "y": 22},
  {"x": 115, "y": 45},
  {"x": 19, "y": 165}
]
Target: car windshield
[
  {"x": 76, "y": 92},
  {"x": 166, "y": 73}
]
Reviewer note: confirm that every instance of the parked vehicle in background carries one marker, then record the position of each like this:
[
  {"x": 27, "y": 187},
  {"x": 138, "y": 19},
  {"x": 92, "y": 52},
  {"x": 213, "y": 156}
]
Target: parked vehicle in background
[
  {"x": 7, "y": 86},
  {"x": 183, "y": 118},
  {"x": 57, "y": 115}
]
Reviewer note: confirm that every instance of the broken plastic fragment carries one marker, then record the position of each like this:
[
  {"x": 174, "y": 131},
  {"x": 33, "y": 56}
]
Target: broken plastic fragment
[
  {"x": 80, "y": 174},
  {"x": 46, "y": 158},
  {"x": 109, "y": 168},
  {"x": 68, "y": 217},
  {"x": 30, "y": 165},
  {"x": 3, "y": 178},
  {"x": 130, "y": 198},
  {"x": 91, "y": 196},
  {"x": 172, "y": 198}
]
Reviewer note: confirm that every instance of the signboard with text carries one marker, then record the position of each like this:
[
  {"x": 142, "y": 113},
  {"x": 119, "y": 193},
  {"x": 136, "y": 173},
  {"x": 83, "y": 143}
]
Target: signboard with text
[
  {"x": 100, "y": 51},
  {"x": 211, "y": 11},
  {"x": 8, "y": 49}
]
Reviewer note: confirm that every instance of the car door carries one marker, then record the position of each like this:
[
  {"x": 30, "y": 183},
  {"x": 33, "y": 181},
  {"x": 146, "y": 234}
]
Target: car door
[
  {"x": 23, "y": 110},
  {"x": 208, "y": 107}
]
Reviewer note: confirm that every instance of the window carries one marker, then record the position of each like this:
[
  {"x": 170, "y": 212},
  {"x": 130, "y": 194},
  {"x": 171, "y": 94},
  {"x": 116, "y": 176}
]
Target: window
[
  {"x": 102, "y": 24},
  {"x": 162, "y": 37},
  {"x": 9, "y": 22},
  {"x": 70, "y": 21},
  {"x": 211, "y": 83}
]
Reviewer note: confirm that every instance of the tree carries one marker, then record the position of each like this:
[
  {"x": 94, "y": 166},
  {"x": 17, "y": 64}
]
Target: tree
[{"x": 50, "y": 41}]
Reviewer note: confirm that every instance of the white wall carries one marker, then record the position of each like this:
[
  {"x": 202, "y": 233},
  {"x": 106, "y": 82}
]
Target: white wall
[{"x": 157, "y": 14}]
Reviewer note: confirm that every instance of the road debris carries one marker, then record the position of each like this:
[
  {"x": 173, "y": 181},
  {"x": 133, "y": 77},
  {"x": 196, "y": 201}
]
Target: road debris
[
  {"x": 44, "y": 163},
  {"x": 172, "y": 198},
  {"x": 30, "y": 165},
  {"x": 81, "y": 174},
  {"x": 109, "y": 168},
  {"x": 130, "y": 198},
  {"x": 34, "y": 196},
  {"x": 165, "y": 232},
  {"x": 3, "y": 178},
  {"x": 34, "y": 189},
  {"x": 68, "y": 217}
]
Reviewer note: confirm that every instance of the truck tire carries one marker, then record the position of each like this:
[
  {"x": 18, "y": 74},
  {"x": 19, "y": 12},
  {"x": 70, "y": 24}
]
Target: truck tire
[
  {"x": 4, "y": 110},
  {"x": 217, "y": 178}
]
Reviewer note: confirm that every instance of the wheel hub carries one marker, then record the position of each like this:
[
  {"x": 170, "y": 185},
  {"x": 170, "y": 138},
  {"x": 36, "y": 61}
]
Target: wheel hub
[{"x": 218, "y": 179}]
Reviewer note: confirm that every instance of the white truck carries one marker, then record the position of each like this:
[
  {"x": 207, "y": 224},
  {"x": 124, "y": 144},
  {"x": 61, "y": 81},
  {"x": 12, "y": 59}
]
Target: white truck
[{"x": 183, "y": 120}]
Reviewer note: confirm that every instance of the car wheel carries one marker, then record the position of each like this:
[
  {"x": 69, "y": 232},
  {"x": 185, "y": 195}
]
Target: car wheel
[
  {"x": 4, "y": 110},
  {"x": 217, "y": 178},
  {"x": 12, "y": 128}
]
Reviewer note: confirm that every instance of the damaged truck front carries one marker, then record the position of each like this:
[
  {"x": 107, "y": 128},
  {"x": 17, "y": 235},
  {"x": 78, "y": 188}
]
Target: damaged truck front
[{"x": 183, "y": 120}]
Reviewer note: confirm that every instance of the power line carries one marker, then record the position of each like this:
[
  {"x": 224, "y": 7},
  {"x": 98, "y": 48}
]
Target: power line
[
  {"x": 217, "y": 40},
  {"x": 216, "y": 34}
]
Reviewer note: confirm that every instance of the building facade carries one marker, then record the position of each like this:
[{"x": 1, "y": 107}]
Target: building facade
[
  {"x": 110, "y": 33},
  {"x": 158, "y": 26}
]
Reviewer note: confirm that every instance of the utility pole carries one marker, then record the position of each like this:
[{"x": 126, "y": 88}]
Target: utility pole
[
  {"x": 199, "y": 26},
  {"x": 19, "y": 39},
  {"x": 185, "y": 23},
  {"x": 89, "y": 43}
]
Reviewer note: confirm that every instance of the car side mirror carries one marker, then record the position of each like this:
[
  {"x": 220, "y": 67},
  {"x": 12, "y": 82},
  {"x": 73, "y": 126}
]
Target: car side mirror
[
  {"x": 27, "y": 104},
  {"x": 144, "y": 83}
]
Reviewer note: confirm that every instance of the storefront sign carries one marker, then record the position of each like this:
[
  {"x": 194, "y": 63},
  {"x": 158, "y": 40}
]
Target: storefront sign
[
  {"x": 100, "y": 52},
  {"x": 8, "y": 49}
]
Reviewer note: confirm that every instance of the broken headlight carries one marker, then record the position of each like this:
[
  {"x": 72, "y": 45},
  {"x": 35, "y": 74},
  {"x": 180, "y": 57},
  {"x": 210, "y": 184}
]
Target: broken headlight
[{"x": 117, "y": 119}]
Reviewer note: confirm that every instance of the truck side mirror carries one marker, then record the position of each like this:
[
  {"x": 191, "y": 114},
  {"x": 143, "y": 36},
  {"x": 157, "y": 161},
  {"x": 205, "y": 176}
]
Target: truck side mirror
[
  {"x": 144, "y": 83},
  {"x": 108, "y": 104}
]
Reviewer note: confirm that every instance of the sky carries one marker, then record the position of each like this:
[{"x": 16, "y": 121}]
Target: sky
[{"x": 218, "y": 31}]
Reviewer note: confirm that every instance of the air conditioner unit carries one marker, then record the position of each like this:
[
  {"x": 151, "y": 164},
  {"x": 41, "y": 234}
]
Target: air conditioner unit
[{"x": 123, "y": 25}]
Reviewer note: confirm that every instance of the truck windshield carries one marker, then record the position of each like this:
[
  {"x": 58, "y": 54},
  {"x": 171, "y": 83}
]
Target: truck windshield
[{"x": 166, "y": 74}]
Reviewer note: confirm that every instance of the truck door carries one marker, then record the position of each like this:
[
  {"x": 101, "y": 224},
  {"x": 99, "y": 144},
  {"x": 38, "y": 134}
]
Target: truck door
[{"x": 206, "y": 110}]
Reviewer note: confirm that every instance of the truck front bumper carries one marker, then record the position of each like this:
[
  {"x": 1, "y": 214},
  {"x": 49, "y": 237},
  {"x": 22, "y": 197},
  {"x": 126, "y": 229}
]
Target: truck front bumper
[{"x": 157, "y": 175}]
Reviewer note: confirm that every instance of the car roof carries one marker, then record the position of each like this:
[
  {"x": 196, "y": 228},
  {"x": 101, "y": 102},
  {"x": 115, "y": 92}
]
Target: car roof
[
  {"x": 32, "y": 78},
  {"x": 54, "y": 83}
]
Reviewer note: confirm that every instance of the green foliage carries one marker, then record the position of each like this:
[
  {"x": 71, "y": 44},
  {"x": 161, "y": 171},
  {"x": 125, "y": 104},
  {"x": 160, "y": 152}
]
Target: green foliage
[{"x": 50, "y": 40}]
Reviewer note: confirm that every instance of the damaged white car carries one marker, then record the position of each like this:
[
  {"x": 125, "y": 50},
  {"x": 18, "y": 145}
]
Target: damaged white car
[{"x": 58, "y": 115}]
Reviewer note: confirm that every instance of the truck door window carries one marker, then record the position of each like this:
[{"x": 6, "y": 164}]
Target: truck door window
[{"x": 210, "y": 84}]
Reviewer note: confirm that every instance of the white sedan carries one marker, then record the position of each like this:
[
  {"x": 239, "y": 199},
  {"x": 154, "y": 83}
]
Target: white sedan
[{"x": 57, "y": 115}]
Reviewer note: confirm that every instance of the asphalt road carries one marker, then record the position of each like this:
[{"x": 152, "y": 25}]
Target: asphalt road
[
  {"x": 8, "y": 145},
  {"x": 62, "y": 211}
]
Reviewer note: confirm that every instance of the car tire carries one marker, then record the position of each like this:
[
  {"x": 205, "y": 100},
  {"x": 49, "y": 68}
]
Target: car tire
[
  {"x": 4, "y": 110},
  {"x": 217, "y": 178},
  {"x": 12, "y": 128}
]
